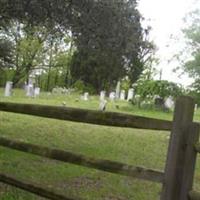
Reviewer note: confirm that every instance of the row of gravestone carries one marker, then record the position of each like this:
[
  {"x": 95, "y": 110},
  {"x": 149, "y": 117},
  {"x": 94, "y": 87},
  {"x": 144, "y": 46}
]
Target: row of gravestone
[
  {"x": 121, "y": 95},
  {"x": 31, "y": 91},
  {"x": 112, "y": 95}
]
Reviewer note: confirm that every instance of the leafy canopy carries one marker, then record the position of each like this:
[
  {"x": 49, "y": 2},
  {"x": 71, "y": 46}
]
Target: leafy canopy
[{"x": 162, "y": 88}]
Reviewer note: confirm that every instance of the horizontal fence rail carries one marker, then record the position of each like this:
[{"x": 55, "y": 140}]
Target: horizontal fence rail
[
  {"x": 33, "y": 188},
  {"x": 193, "y": 195},
  {"x": 104, "y": 165},
  {"x": 88, "y": 116}
]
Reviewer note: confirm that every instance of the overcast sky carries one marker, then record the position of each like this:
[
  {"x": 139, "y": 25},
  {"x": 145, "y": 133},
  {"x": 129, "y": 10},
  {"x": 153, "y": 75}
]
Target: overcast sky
[{"x": 166, "y": 19}]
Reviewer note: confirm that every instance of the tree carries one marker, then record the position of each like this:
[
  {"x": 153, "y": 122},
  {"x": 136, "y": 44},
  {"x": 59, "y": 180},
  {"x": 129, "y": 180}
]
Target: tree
[
  {"x": 192, "y": 34},
  {"x": 28, "y": 43},
  {"x": 36, "y": 12},
  {"x": 6, "y": 53},
  {"x": 32, "y": 47},
  {"x": 47, "y": 13},
  {"x": 192, "y": 65},
  {"x": 162, "y": 88},
  {"x": 110, "y": 43}
]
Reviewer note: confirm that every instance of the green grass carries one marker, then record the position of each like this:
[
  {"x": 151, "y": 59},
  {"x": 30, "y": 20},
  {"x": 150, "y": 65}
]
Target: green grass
[{"x": 132, "y": 146}]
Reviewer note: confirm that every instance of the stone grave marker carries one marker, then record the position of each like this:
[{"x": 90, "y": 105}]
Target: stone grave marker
[
  {"x": 37, "y": 92},
  {"x": 122, "y": 95},
  {"x": 8, "y": 89},
  {"x": 117, "y": 93},
  {"x": 102, "y": 105},
  {"x": 169, "y": 103},
  {"x": 112, "y": 96},
  {"x": 130, "y": 94},
  {"x": 102, "y": 95},
  {"x": 30, "y": 90},
  {"x": 86, "y": 96}
]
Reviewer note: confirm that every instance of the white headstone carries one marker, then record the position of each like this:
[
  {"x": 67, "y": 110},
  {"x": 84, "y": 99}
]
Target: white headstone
[
  {"x": 102, "y": 105},
  {"x": 37, "y": 91},
  {"x": 130, "y": 94},
  {"x": 169, "y": 103},
  {"x": 112, "y": 96},
  {"x": 102, "y": 95},
  {"x": 122, "y": 95},
  {"x": 86, "y": 96},
  {"x": 117, "y": 94},
  {"x": 8, "y": 89},
  {"x": 30, "y": 90}
]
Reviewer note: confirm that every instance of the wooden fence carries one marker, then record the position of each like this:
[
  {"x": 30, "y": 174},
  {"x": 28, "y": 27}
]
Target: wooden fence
[{"x": 177, "y": 179}]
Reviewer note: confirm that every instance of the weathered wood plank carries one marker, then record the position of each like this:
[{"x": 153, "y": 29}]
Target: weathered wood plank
[
  {"x": 179, "y": 151},
  {"x": 65, "y": 156},
  {"x": 33, "y": 188},
  {"x": 193, "y": 195},
  {"x": 197, "y": 147},
  {"x": 190, "y": 161},
  {"x": 88, "y": 116}
]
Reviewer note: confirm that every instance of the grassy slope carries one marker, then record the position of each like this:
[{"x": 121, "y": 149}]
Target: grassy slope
[{"x": 132, "y": 146}]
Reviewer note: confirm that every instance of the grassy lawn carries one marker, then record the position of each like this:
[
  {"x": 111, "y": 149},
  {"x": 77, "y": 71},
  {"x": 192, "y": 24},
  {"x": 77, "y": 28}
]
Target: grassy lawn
[{"x": 131, "y": 146}]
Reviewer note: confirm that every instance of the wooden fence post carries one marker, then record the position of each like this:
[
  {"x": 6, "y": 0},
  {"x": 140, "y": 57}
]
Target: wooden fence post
[{"x": 179, "y": 170}]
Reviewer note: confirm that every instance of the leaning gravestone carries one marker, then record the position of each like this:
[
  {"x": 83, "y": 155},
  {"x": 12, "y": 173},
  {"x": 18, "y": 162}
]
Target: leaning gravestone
[
  {"x": 102, "y": 95},
  {"x": 130, "y": 94},
  {"x": 122, "y": 95},
  {"x": 102, "y": 105},
  {"x": 8, "y": 89}
]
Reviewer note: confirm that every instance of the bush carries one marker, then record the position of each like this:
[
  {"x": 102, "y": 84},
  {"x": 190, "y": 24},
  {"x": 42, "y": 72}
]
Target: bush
[
  {"x": 81, "y": 87},
  {"x": 150, "y": 88}
]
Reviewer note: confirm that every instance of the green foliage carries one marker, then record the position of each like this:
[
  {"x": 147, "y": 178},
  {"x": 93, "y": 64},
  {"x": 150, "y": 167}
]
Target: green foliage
[
  {"x": 108, "y": 37},
  {"x": 192, "y": 66},
  {"x": 194, "y": 91},
  {"x": 6, "y": 75},
  {"x": 6, "y": 53},
  {"x": 81, "y": 87},
  {"x": 32, "y": 48},
  {"x": 110, "y": 43},
  {"x": 125, "y": 84},
  {"x": 56, "y": 78},
  {"x": 150, "y": 88},
  {"x": 36, "y": 12}
]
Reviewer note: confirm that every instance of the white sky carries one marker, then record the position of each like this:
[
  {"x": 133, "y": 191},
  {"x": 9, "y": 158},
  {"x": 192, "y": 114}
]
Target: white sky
[{"x": 166, "y": 19}]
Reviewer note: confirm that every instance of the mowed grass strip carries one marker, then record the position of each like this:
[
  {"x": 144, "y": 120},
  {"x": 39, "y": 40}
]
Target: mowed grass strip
[{"x": 131, "y": 146}]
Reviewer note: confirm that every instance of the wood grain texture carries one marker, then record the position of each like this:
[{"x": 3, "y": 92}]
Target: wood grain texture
[
  {"x": 197, "y": 147},
  {"x": 33, "y": 188},
  {"x": 78, "y": 159},
  {"x": 88, "y": 116},
  {"x": 194, "y": 195},
  {"x": 179, "y": 151}
]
